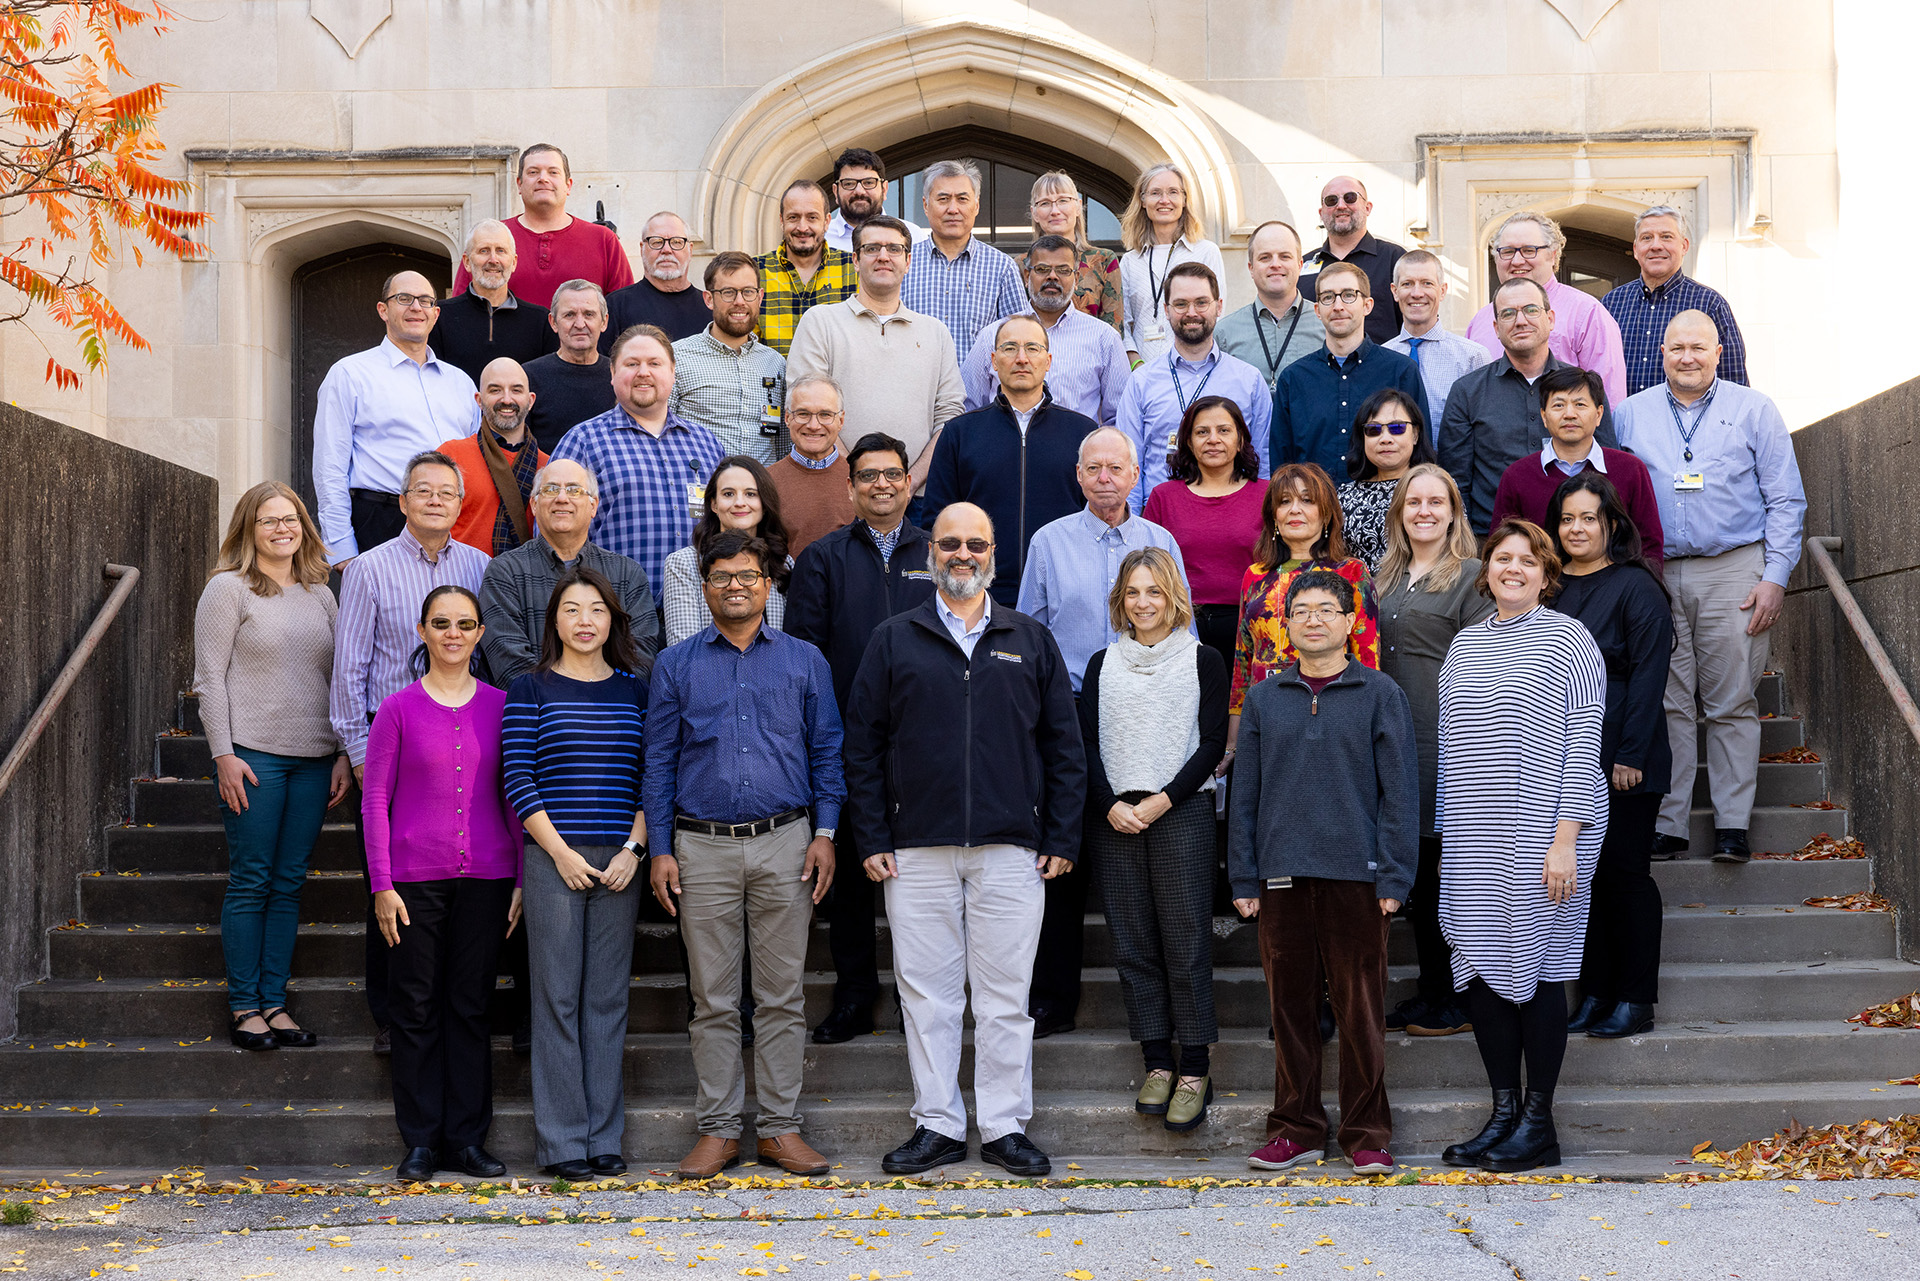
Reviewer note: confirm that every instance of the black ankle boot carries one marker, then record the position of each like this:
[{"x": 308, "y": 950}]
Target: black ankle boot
[
  {"x": 1592, "y": 1010},
  {"x": 1506, "y": 1114},
  {"x": 1627, "y": 1019},
  {"x": 1533, "y": 1141}
]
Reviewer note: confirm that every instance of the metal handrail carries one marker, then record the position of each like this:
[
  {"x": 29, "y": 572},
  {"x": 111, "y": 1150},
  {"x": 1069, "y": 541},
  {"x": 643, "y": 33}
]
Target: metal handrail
[
  {"x": 43, "y": 715},
  {"x": 1820, "y": 550}
]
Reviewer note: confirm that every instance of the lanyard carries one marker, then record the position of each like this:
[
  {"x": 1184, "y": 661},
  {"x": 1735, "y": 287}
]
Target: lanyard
[
  {"x": 1179, "y": 392},
  {"x": 1273, "y": 364},
  {"x": 1679, "y": 423},
  {"x": 1146, "y": 252}
]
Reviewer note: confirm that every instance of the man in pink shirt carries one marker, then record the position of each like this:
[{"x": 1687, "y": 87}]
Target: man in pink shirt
[
  {"x": 554, "y": 246},
  {"x": 1528, "y": 246}
]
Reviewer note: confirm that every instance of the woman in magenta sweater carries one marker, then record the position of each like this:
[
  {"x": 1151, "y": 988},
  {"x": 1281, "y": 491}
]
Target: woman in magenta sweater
[{"x": 443, "y": 858}]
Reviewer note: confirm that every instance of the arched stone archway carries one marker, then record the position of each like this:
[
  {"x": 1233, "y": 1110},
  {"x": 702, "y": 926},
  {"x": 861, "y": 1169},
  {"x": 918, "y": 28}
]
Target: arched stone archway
[{"x": 1056, "y": 87}]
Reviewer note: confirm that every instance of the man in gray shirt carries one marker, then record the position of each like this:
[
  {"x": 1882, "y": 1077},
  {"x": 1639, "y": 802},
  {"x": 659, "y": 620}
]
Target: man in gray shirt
[{"x": 1280, "y": 325}]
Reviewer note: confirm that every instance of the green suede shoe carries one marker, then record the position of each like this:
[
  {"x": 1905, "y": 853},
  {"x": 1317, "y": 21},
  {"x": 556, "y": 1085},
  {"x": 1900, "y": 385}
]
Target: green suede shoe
[
  {"x": 1154, "y": 1094},
  {"x": 1188, "y": 1106}
]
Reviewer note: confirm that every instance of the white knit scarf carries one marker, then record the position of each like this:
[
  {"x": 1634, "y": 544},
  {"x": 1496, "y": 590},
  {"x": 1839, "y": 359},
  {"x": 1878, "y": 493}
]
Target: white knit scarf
[{"x": 1147, "y": 693}]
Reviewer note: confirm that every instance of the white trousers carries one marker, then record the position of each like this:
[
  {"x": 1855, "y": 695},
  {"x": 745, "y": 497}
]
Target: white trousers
[
  {"x": 963, "y": 917},
  {"x": 1716, "y": 663}
]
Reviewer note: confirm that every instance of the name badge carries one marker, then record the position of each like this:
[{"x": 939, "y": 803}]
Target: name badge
[
  {"x": 1153, "y": 333},
  {"x": 696, "y": 499},
  {"x": 1688, "y": 482},
  {"x": 770, "y": 421}
]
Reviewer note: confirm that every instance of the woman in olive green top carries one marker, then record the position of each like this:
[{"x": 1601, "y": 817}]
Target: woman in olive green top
[{"x": 1425, "y": 594}]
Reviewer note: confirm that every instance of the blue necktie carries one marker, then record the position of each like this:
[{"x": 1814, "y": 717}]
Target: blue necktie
[{"x": 1413, "y": 345}]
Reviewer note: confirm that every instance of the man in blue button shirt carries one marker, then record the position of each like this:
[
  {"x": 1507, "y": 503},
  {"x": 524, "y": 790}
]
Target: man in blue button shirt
[{"x": 743, "y": 742}]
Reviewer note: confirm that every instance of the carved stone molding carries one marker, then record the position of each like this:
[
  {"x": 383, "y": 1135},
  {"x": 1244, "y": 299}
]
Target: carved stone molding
[
  {"x": 448, "y": 220},
  {"x": 350, "y": 22},
  {"x": 1583, "y": 15},
  {"x": 1490, "y": 207}
]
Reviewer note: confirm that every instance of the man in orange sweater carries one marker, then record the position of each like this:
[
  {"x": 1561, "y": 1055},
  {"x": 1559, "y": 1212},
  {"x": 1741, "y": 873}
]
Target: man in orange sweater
[
  {"x": 497, "y": 463},
  {"x": 816, "y": 496}
]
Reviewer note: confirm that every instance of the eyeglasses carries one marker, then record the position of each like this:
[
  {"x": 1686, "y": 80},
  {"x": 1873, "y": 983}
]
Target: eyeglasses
[
  {"x": 1064, "y": 271},
  {"x": 1031, "y": 350},
  {"x": 746, "y": 293},
  {"x": 1315, "y": 613},
  {"x": 1344, "y": 198},
  {"x": 892, "y": 475},
  {"x": 553, "y": 489},
  {"x": 886, "y": 249},
  {"x": 1056, "y": 202},
  {"x": 448, "y": 624},
  {"x": 422, "y": 493},
  {"x": 1531, "y": 311},
  {"x": 802, "y": 417},
  {"x": 978, "y": 546},
  {"x": 858, "y": 184},
  {"x": 720, "y": 578},
  {"x": 1525, "y": 253},
  {"x": 277, "y": 522},
  {"x": 657, "y": 243},
  {"x": 1345, "y": 297},
  {"x": 407, "y": 302},
  {"x": 1396, "y": 428}
]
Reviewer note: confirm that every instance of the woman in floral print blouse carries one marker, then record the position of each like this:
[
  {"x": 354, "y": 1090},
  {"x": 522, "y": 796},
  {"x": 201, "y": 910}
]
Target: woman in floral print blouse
[{"x": 1059, "y": 211}]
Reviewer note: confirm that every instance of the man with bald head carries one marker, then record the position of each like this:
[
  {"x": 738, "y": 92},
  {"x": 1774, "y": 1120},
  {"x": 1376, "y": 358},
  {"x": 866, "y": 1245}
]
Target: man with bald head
[
  {"x": 487, "y": 321},
  {"x": 497, "y": 463},
  {"x": 966, "y": 778},
  {"x": 1732, "y": 512},
  {"x": 376, "y": 410},
  {"x": 1344, "y": 210},
  {"x": 664, "y": 295}
]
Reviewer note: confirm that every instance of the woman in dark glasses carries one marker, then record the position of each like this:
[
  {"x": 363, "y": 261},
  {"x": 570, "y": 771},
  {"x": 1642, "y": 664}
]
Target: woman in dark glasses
[{"x": 1389, "y": 437}]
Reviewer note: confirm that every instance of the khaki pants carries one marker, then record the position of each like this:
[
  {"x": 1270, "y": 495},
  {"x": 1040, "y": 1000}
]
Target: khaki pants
[
  {"x": 720, "y": 880},
  {"x": 1717, "y": 663}
]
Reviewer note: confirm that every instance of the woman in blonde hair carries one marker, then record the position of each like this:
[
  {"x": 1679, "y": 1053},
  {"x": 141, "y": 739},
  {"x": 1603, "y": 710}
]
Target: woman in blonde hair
[
  {"x": 1427, "y": 596},
  {"x": 263, "y": 655},
  {"x": 1058, "y": 210},
  {"x": 1153, "y": 712},
  {"x": 1161, "y": 228}
]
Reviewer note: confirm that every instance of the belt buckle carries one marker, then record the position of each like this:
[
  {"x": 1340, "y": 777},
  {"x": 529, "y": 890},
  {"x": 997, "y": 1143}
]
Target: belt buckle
[{"x": 733, "y": 830}]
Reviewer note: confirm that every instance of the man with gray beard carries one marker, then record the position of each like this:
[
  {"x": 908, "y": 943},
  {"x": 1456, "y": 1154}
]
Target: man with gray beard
[
  {"x": 487, "y": 321},
  {"x": 966, "y": 778}
]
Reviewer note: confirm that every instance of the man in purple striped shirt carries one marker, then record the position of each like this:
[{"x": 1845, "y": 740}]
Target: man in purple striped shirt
[{"x": 374, "y": 637}]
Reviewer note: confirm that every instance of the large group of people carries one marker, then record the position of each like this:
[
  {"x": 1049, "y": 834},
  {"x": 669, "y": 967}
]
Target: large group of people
[{"x": 886, "y": 566}]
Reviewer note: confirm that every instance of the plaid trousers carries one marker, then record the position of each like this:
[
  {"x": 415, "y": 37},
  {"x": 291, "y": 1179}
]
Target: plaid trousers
[{"x": 1158, "y": 890}]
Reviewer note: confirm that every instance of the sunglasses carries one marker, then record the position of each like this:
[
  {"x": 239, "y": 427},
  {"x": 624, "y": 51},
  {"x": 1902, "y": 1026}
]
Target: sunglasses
[
  {"x": 1344, "y": 198},
  {"x": 1398, "y": 429},
  {"x": 978, "y": 546},
  {"x": 444, "y": 624}
]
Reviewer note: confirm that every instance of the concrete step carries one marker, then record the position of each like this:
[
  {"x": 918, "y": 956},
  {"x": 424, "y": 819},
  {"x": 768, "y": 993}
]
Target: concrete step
[
  {"x": 1650, "y": 1120},
  {"x": 188, "y": 717},
  {"x": 114, "y": 1008},
  {"x": 172, "y": 801},
  {"x": 1779, "y": 783},
  {"x": 659, "y": 1066},
  {"x": 202, "y": 847},
  {"x": 1770, "y": 829}
]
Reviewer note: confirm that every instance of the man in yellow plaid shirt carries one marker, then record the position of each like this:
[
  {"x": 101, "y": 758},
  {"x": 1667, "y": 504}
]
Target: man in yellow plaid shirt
[{"x": 802, "y": 271}]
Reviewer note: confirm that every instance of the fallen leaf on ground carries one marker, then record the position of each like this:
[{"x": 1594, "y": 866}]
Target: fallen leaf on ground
[
  {"x": 1904, "y": 1012},
  {"x": 1861, "y": 902}
]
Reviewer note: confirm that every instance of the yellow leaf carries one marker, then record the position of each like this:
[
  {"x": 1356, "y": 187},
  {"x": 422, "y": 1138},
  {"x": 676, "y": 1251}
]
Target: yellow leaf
[
  {"x": 1044, "y": 1232},
  {"x": 1081, "y": 1274}
]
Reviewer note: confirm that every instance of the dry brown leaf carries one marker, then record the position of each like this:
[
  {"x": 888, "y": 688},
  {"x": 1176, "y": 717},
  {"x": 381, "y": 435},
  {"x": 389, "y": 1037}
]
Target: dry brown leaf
[
  {"x": 1904, "y": 1012},
  {"x": 1861, "y": 902}
]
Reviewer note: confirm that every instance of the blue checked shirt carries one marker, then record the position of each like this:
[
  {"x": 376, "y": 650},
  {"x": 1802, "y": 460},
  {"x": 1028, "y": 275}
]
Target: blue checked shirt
[
  {"x": 1441, "y": 358},
  {"x": 1071, "y": 565},
  {"x": 1643, "y": 313},
  {"x": 646, "y": 499},
  {"x": 967, "y": 293},
  {"x": 1155, "y": 399},
  {"x": 1088, "y": 375}
]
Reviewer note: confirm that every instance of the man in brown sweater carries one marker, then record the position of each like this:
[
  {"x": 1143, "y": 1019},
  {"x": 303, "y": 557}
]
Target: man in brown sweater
[{"x": 815, "y": 498}]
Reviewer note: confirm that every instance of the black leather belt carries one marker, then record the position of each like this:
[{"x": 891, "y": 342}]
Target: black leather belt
[
  {"x": 738, "y": 831},
  {"x": 381, "y": 497}
]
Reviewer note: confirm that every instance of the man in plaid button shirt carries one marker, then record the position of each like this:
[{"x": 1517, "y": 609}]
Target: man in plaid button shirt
[
  {"x": 803, "y": 270},
  {"x": 1644, "y": 307}
]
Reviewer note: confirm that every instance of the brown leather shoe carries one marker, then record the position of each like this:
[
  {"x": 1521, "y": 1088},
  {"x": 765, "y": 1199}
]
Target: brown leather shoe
[
  {"x": 791, "y": 1153},
  {"x": 710, "y": 1156}
]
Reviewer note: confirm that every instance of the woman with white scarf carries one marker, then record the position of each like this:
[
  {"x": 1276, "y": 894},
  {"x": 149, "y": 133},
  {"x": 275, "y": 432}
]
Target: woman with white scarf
[{"x": 1150, "y": 824}]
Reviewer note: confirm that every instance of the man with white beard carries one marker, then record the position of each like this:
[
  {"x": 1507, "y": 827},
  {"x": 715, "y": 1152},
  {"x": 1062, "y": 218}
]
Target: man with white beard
[
  {"x": 664, "y": 295},
  {"x": 966, "y": 778},
  {"x": 488, "y": 321}
]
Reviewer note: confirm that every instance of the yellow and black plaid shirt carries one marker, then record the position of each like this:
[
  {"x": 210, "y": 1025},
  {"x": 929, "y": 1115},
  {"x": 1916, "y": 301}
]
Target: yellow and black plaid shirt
[{"x": 783, "y": 299}]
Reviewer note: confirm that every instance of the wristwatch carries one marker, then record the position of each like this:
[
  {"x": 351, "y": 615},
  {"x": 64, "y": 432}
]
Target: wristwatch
[
  {"x": 823, "y": 831},
  {"x": 634, "y": 848}
]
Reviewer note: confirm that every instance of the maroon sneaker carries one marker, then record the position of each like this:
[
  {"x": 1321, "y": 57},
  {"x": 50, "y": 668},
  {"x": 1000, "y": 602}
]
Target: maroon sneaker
[
  {"x": 1283, "y": 1154},
  {"x": 1372, "y": 1161}
]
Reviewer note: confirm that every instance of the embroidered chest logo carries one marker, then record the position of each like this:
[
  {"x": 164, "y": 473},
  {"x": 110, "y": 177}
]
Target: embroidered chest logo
[{"x": 1005, "y": 657}]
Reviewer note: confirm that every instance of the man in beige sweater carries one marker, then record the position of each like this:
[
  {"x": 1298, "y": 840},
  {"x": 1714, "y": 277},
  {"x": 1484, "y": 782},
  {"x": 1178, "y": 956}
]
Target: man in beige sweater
[{"x": 895, "y": 367}]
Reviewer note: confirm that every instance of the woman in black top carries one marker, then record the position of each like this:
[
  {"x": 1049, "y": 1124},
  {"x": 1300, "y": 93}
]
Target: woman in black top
[
  {"x": 1153, "y": 712},
  {"x": 1608, "y": 585}
]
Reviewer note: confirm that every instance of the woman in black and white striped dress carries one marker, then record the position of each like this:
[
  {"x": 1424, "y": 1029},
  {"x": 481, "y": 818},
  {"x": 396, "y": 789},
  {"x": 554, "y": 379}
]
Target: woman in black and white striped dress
[{"x": 1522, "y": 807}]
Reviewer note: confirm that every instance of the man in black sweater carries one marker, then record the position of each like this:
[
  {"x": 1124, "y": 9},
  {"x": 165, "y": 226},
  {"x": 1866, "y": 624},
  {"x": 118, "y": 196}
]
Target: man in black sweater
[
  {"x": 575, "y": 383},
  {"x": 487, "y": 321}
]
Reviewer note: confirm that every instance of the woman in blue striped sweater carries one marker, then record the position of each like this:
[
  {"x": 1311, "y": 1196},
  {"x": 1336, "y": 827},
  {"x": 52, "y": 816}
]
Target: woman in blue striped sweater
[{"x": 572, "y": 737}]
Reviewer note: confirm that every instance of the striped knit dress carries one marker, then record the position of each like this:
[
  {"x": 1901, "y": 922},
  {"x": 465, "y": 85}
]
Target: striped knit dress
[{"x": 1521, "y": 703}]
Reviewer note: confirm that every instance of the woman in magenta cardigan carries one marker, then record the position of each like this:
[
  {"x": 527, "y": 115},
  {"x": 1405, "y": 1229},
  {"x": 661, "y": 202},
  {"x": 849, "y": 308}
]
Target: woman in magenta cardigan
[{"x": 443, "y": 858}]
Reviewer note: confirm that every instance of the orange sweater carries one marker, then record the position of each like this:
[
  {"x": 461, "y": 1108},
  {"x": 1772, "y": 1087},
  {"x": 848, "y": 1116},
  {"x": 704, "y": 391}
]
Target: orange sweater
[{"x": 474, "y": 525}]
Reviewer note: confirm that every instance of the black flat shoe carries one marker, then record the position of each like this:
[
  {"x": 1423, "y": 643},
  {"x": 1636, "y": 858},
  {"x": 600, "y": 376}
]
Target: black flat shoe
[
  {"x": 249, "y": 1040},
  {"x": 1730, "y": 845},
  {"x": 607, "y": 1166},
  {"x": 922, "y": 1152},
  {"x": 418, "y": 1166},
  {"x": 1668, "y": 848},
  {"x": 571, "y": 1171},
  {"x": 1047, "y": 1021},
  {"x": 1592, "y": 1010},
  {"x": 297, "y": 1038},
  {"x": 845, "y": 1022},
  {"x": 477, "y": 1161},
  {"x": 1627, "y": 1019},
  {"x": 1016, "y": 1154}
]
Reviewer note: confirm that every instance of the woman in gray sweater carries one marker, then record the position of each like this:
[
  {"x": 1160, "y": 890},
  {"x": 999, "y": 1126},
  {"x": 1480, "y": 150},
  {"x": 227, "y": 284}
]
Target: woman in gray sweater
[{"x": 263, "y": 654}]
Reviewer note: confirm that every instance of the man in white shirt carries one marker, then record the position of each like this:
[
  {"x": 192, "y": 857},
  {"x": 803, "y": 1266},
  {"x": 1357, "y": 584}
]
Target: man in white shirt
[
  {"x": 1419, "y": 287},
  {"x": 860, "y": 193}
]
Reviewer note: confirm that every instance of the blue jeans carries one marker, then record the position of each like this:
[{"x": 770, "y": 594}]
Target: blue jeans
[{"x": 268, "y": 849}]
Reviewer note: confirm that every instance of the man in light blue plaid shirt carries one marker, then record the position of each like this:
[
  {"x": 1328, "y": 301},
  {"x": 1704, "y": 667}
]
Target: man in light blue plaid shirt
[
  {"x": 965, "y": 283},
  {"x": 652, "y": 464},
  {"x": 1419, "y": 287}
]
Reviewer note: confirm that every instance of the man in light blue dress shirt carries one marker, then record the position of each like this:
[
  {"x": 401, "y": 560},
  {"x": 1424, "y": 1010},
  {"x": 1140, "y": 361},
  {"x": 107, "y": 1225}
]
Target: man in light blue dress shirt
[
  {"x": 1419, "y": 287},
  {"x": 377, "y": 409},
  {"x": 1733, "y": 511}
]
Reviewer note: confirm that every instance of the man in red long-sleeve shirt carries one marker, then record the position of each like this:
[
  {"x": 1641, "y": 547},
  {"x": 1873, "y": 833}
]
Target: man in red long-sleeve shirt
[
  {"x": 552, "y": 245},
  {"x": 1570, "y": 401}
]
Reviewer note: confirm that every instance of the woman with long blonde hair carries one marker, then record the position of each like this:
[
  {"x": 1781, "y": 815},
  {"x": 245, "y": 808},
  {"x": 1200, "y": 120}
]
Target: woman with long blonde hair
[
  {"x": 263, "y": 658},
  {"x": 1161, "y": 228},
  {"x": 1426, "y": 598},
  {"x": 1059, "y": 210}
]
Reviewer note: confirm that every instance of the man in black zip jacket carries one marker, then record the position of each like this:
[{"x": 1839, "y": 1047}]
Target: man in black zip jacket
[
  {"x": 1016, "y": 458},
  {"x": 967, "y": 782},
  {"x": 845, "y": 584}
]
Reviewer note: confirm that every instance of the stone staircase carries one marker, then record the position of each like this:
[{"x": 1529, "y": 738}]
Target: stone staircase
[{"x": 122, "y": 1058}]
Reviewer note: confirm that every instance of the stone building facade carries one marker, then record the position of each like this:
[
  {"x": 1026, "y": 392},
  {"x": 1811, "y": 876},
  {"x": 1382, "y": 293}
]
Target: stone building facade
[{"x": 332, "y": 139}]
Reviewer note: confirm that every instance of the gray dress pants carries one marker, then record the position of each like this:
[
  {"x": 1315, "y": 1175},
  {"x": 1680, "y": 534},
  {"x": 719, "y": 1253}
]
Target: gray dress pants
[{"x": 580, "y": 946}]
